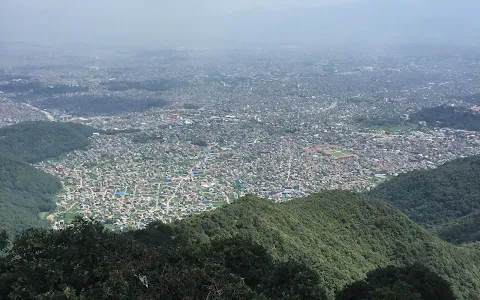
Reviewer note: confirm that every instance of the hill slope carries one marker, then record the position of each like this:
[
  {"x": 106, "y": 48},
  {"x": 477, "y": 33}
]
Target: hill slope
[
  {"x": 24, "y": 190},
  {"x": 342, "y": 235},
  {"x": 448, "y": 116},
  {"x": 446, "y": 199},
  {"x": 24, "y": 193},
  {"x": 305, "y": 249},
  {"x": 35, "y": 141}
]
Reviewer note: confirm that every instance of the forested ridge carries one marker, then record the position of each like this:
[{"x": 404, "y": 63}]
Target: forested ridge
[
  {"x": 445, "y": 199},
  {"x": 24, "y": 193},
  {"x": 318, "y": 247},
  {"x": 39, "y": 140},
  {"x": 24, "y": 190},
  {"x": 449, "y": 116},
  {"x": 343, "y": 235}
]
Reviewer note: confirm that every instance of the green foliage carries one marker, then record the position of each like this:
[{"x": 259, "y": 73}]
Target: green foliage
[
  {"x": 449, "y": 116},
  {"x": 146, "y": 138},
  {"x": 87, "y": 261},
  {"x": 340, "y": 235},
  {"x": 462, "y": 230},
  {"x": 24, "y": 192},
  {"x": 3, "y": 239},
  {"x": 36, "y": 141},
  {"x": 310, "y": 248},
  {"x": 445, "y": 199},
  {"x": 154, "y": 235},
  {"x": 200, "y": 142},
  {"x": 379, "y": 122},
  {"x": 101, "y": 105},
  {"x": 47, "y": 264},
  {"x": 37, "y": 88},
  {"x": 396, "y": 283},
  {"x": 191, "y": 106}
]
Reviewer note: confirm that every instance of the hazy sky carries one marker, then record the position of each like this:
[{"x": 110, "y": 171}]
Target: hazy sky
[
  {"x": 124, "y": 21},
  {"x": 196, "y": 21},
  {"x": 180, "y": 6}
]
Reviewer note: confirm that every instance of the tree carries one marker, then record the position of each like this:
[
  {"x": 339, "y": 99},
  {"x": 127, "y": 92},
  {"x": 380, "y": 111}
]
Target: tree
[
  {"x": 3, "y": 239},
  {"x": 394, "y": 283}
]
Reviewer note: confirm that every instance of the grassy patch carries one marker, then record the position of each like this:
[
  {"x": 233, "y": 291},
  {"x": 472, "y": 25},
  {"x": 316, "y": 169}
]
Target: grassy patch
[
  {"x": 43, "y": 215},
  {"x": 71, "y": 214}
]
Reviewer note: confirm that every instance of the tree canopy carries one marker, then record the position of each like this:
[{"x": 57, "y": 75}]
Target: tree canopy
[
  {"x": 414, "y": 282},
  {"x": 445, "y": 199},
  {"x": 86, "y": 261},
  {"x": 449, "y": 116},
  {"x": 25, "y": 191},
  {"x": 312, "y": 248},
  {"x": 341, "y": 235},
  {"x": 39, "y": 140}
]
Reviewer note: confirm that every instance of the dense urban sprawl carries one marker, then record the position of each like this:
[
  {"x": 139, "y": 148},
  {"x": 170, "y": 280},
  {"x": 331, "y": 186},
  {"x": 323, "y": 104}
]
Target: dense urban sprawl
[{"x": 211, "y": 126}]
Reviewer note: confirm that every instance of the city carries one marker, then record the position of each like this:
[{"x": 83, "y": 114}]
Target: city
[{"x": 205, "y": 128}]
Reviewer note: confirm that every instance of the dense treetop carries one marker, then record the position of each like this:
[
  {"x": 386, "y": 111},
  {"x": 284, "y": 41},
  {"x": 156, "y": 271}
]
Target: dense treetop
[
  {"x": 36, "y": 141},
  {"x": 152, "y": 85},
  {"x": 446, "y": 199},
  {"x": 24, "y": 193},
  {"x": 37, "y": 88},
  {"x": 341, "y": 235},
  {"x": 87, "y": 261},
  {"x": 449, "y": 116},
  {"x": 310, "y": 248},
  {"x": 412, "y": 282}
]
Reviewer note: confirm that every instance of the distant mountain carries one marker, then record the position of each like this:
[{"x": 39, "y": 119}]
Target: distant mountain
[{"x": 446, "y": 199}]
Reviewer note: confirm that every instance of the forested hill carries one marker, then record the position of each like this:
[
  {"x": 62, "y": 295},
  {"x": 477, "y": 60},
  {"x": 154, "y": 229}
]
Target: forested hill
[
  {"x": 24, "y": 193},
  {"x": 342, "y": 235},
  {"x": 449, "y": 116},
  {"x": 310, "y": 248},
  {"x": 446, "y": 199},
  {"x": 39, "y": 140}
]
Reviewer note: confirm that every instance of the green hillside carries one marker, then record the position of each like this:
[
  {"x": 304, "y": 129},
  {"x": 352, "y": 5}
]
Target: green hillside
[
  {"x": 342, "y": 235},
  {"x": 24, "y": 190},
  {"x": 39, "y": 140},
  {"x": 446, "y": 199},
  {"x": 24, "y": 193},
  {"x": 463, "y": 230},
  {"x": 448, "y": 116},
  {"x": 309, "y": 248}
]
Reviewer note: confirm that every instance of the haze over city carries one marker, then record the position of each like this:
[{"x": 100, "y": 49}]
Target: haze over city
[
  {"x": 238, "y": 23},
  {"x": 221, "y": 149}
]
